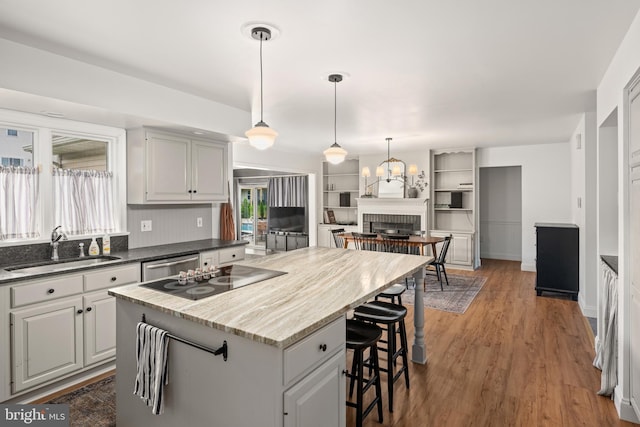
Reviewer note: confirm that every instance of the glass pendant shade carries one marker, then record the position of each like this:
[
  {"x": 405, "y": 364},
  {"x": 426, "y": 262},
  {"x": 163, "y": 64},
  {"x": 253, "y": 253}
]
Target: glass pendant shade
[
  {"x": 335, "y": 154},
  {"x": 261, "y": 136}
]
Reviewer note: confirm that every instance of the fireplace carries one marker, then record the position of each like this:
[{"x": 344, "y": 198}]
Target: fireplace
[
  {"x": 379, "y": 223},
  {"x": 404, "y": 215}
]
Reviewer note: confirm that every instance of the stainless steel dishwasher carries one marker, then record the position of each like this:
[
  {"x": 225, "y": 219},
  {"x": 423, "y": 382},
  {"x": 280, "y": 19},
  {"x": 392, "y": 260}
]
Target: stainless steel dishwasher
[{"x": 160, "y": 268}]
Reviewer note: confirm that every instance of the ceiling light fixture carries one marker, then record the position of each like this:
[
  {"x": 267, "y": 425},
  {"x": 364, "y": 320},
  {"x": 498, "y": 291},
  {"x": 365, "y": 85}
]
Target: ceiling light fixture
[
  {"x": 335, "y": 154},
  {"x": 261, "y": 136}
]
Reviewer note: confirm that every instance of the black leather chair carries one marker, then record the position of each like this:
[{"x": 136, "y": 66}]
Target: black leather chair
[
  {"x": 438, "y": 263},
  {"x": 339, "y": 241}
]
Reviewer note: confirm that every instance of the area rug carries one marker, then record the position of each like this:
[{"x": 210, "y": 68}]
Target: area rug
[
  {"x": 92, "y": 405},
  {"x": 455, "y": 298}
]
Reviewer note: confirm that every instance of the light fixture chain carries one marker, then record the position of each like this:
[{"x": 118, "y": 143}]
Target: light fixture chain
[
  {"x": 261, "y": 94},
  {"x": 335, "y": 112}
]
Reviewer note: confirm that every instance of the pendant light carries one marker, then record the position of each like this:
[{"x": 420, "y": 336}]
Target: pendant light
[
  {"x": 335, "y": 154},
  {"x": 261, "y": 136}
]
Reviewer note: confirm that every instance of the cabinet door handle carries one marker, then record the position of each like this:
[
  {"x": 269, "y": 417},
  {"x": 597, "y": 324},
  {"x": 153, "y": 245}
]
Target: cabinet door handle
[
  {"x": 80, "y": 311},
  {"x": 195, "y": 191},
  {"x": 323, "y": 347},
  {"x": 88, "y": 309},
  {"x": 189, "y": 191},
  {"x": 50, "y": 291},
  {"x": 344, "y": 372},
  {"x": 114, "y": 278},
  {"x": 233, "y": 256}
]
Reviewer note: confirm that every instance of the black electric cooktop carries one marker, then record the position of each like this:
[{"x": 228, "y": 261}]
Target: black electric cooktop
[{"x": 226, "y": 279}]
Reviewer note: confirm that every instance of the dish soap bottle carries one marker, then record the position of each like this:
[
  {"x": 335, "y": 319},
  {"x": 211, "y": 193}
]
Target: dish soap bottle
[
  {"x": 106, "y": 245},
  {"x": 93, "y": 247}
]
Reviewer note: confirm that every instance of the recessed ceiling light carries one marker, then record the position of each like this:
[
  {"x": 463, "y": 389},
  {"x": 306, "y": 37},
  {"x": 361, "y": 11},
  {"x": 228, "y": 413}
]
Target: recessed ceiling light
[{"x": 52, "y": 114}]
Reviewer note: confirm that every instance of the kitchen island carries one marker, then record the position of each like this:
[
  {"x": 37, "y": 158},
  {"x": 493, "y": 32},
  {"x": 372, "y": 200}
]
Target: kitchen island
[{"x": 285, "y": 338}]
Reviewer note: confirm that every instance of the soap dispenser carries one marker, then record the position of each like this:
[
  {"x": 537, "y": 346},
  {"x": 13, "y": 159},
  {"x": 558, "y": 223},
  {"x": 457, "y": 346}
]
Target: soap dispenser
[{"x": 93, "y": 247}]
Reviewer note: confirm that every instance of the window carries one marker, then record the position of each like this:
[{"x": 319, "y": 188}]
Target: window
[
  {"x": 77, "y": 185},
  {"x": 12, "y": 132}
]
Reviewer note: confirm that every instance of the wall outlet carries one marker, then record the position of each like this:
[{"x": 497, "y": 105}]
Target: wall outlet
[
  {"x": 199, "y": 221},
  {"x": 145, "y": 225}
]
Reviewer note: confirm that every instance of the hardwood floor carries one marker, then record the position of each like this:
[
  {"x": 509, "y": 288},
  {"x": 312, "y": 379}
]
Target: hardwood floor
[{"x": 512, "y": 359}]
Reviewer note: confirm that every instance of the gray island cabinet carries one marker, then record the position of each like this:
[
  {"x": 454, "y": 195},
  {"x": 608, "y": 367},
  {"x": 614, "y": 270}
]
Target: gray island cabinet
[{"x": 285, "y": 338}]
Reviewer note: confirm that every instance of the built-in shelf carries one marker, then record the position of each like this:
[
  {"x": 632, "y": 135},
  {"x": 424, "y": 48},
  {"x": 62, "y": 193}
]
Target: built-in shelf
[
  {"x": 453, "y": 184},
  {"x": 336, "y": 181}
]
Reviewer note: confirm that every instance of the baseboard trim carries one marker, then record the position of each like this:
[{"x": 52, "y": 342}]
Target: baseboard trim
[
  {"x": 524, "y": 266},
  {"x": 623, "y": 406}
]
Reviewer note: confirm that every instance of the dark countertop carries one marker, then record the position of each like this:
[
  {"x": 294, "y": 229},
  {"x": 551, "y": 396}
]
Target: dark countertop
[
  {"x": 133, "y": 255},
  {"x": 611, "y": 261},
  {"x": 554, "y": 225}
]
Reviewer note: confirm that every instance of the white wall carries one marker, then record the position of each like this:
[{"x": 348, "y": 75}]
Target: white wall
[
  {"x": 46, "y": 74},
  {"x": 583, "y": 147},
  {"x": 245, "y": 156},
  {"x": 500, "y": 216},
  {"x": 612, "y": 95},
  {"x": 608, "y": 190},
  {"x": 419, "y": 158},
  {"x": 546, "y": 186}
]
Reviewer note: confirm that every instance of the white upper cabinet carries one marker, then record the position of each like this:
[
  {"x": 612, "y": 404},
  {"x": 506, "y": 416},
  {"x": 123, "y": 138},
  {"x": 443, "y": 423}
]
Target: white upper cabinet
[{"x": 173, "y": 168}]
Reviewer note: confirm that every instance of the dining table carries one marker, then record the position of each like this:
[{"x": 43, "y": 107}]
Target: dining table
[{"x": 413, "y": 241}]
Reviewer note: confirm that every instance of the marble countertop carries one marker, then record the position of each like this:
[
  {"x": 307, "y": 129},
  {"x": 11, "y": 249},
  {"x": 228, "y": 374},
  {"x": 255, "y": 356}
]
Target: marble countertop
[
  {"x": 321, "y": 284},
  {"x": 134, "y": 255}
]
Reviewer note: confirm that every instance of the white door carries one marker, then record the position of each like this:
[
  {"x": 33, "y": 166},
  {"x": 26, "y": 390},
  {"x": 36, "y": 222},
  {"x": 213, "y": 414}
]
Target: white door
[
  {"x": 168, "y": 168},
  {"x": 99, "y": 327},
  {"x": 209, "y": 171},
  {"x": 47, "y": 342},
  {"x": 318, "y": 400}
]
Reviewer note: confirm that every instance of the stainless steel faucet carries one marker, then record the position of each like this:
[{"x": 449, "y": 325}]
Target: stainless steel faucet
[{"x": 55, "y": 238}]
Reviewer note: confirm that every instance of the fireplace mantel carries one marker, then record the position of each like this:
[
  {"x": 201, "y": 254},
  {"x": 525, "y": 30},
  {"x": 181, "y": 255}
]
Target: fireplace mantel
[{"x": 390, "y": 206}]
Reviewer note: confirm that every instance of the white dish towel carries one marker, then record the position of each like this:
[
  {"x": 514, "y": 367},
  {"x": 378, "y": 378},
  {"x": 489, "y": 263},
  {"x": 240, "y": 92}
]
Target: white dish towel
[{"x": 152, "y": 369}]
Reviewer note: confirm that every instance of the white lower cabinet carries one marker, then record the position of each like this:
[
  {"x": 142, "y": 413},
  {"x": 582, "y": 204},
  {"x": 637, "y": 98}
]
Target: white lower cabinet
[
  {"x": 325, "y": 237},
  {"x": 99, "y": 327},
  {"x": 54, "y": 334},
  {"x": 46, "y": 342},
  {"x": 318, "y": 400},
  {"x": 219, "y": 257},
  {"x": 460, "y": 251}
]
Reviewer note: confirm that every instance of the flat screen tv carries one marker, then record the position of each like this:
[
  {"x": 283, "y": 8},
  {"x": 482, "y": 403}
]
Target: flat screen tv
[{"x": 287, "y": 220}]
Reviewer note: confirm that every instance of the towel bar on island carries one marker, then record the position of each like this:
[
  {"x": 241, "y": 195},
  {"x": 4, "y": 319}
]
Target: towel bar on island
[{"x": 215, "y": 351}]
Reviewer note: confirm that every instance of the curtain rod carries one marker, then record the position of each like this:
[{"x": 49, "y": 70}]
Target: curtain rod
[{"x": 267, "y": 176}]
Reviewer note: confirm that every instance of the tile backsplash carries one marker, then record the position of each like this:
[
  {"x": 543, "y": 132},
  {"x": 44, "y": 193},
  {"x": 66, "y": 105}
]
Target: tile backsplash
[{"x": 169, "y": 224}]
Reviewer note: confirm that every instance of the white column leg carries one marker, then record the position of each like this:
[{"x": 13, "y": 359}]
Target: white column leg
[{"x": 419, "y": 350}]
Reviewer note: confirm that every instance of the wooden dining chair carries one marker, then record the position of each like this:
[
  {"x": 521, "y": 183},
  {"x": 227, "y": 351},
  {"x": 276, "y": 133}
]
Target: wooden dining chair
[
  {"x": 396, "y": 243},
  {"x": 438, "y": 263},
  {"x": 365, "y": 241},
  {"x": 339, "y": 241}
]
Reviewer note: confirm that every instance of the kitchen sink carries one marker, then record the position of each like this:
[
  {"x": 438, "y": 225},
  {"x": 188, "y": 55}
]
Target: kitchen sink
[{"x": 62, "y": 265}]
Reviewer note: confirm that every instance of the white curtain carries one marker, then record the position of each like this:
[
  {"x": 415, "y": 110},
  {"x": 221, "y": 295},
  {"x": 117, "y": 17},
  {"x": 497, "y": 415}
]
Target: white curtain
[
  {"x": 607, "y": 339},
  {"x": 287, "y": 191},
  {"x": 83, "y": 201},
  {"x": 18, "y": 198}
]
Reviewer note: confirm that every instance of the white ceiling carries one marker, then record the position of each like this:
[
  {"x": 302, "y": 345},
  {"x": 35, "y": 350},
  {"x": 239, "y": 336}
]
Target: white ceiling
[{"x": 428, "y": 73}]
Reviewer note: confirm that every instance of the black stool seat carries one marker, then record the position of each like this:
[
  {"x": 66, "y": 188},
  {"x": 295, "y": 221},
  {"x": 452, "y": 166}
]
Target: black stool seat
[
  {"x": 395, "y": 291},
  {"x": 389, "y": 314},
  {"x": 360, "y": 337},
  {"x": 380, "y": 312},
  {"x": 362, "y": 334}
]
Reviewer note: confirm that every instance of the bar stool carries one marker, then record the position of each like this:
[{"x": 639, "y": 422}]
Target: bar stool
[
  {"x": 362, "y": 336},
  {"x": 390, "y": 315},
  {"x": 393, "y": 292}
]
